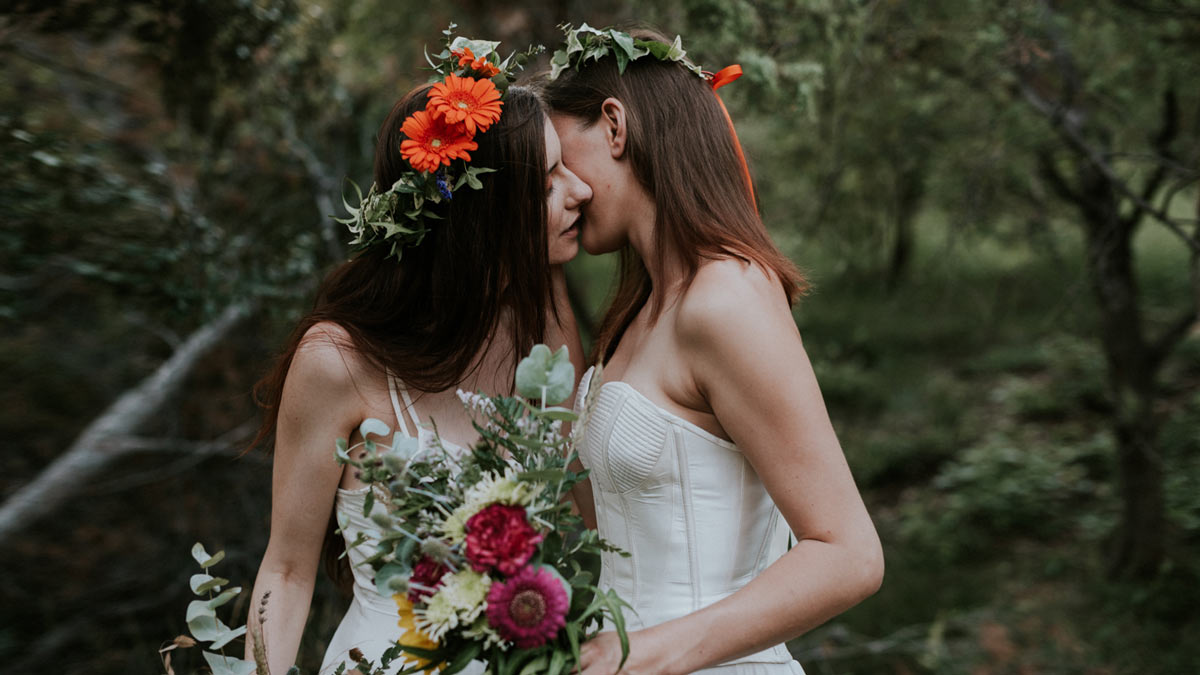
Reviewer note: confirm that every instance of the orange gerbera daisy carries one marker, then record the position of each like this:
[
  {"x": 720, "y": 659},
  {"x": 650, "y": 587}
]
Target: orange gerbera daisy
[
  {"x": 474, "y": 103},
  {"x": 466, "y": 59},
  {"x": 433, "y": 142},
  {"x": 412, "y": 636}
]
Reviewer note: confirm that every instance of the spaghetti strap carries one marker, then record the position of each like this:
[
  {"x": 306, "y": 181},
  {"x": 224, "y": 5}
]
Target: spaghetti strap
[
  {"x": 408, "y": 404},
  {"x": 392, "y": 382}
]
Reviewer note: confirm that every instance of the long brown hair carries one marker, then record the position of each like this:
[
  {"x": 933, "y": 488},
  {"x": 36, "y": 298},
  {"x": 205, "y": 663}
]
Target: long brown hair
[
  {"x": 426, "y": 318},
  {"x": 682, "y": 152}
]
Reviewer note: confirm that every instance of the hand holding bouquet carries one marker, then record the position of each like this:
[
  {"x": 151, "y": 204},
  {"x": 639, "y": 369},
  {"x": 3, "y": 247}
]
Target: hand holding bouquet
[{"x": 482, "y": 554}]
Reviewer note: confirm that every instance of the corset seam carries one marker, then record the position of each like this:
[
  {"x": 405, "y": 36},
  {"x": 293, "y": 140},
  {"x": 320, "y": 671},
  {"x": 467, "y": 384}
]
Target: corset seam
[
  {"x": 689, "y": 517},
  {"x": 771, "y": 532}
]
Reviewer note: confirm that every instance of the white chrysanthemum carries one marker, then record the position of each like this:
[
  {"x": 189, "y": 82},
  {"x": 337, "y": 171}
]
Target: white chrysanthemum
[
  {"x": 481, "y": 629},
  {"x": 436, "y": 617},
  {"x": 461, "y": 600},
  {"x": 491, "y": 489},
  {"x": 467, "y": 591}
]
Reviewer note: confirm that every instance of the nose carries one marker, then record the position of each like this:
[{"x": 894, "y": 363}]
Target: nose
[{"x": 578, "y": 192}]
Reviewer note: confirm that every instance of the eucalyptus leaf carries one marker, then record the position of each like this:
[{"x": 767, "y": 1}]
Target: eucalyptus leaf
[
  {"x": 225, "y": 597},
  {"x": 198, "y": 608},
  {"x": 385, "y": 573},
  {"x": 555, "y": 413},
  {"x": 198, "y": 580},
  {"x": 480, "y": 48},
  {"x": 228, "y": 637},
  {"x": 200, "y": 554},
  {"x": 213, "y": 584},
  {"x": 206, "y": 628},
  {"x": 372, "y": 426},
  {"x": 227, "y": 665},
  {"x": 546, "y": 376}
]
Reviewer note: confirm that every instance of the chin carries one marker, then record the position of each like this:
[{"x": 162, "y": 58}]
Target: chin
[
  {"x": 597, "y": 246},
  {"x": 563, "y": 254}
]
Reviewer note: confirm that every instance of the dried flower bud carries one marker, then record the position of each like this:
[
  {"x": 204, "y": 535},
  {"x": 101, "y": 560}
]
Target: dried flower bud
[{"x": 436, "y": 549}]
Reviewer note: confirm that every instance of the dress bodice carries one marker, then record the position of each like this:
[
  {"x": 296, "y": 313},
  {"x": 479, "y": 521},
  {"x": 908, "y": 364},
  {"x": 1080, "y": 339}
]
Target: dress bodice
[
  {"x": 685, "y": 504},
  {"x": 348, "y": 507},
  {"x": 371, "y": 622}
]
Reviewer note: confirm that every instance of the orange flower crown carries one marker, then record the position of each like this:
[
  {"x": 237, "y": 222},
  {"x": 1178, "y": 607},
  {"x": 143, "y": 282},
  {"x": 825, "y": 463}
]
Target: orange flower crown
[{"x": 467, "y": 98}]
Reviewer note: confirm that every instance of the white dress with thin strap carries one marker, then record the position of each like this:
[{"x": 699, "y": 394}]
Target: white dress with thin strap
[
  {"x": 686, "y": 505},
  {"x": 371, "y": 623}
]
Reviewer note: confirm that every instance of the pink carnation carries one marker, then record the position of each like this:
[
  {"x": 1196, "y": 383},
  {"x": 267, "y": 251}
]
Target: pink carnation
[
  {"x": 529, "y": 608},
  {"x": 427, "y": 573},
  {"x": 500, "y": 537}
]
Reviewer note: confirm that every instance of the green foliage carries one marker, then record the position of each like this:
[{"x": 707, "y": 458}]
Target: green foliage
[
  {"x": 202, "y": 620},
  {"x": 1002, "y": 488},
  {"x": 547, "y": 377}
]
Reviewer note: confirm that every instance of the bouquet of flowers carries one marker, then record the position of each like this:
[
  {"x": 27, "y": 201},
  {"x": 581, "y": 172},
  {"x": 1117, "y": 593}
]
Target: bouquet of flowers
[{"x": 482, "y": 554}]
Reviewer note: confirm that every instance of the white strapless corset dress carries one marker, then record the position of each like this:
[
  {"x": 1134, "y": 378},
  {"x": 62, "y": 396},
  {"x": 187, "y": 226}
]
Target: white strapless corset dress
[{"x": 686, "y": 505}]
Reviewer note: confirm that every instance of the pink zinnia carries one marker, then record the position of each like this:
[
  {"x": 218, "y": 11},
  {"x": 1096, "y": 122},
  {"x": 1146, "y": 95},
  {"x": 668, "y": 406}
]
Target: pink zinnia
[{"x": 530, "y": 608}]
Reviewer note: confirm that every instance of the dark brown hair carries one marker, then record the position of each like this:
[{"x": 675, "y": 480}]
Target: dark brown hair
[
  {"x": 426, "y": 318},
  {"x": 682, "y": 152}
]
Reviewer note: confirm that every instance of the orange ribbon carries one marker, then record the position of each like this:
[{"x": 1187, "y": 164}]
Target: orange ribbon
[
  {"x": 724, "y": 76},
  {"x": 717, "y": 80}
]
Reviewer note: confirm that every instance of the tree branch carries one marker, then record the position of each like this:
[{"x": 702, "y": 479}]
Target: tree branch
[
  {"x": 326, "y": 184},
  {"x": 1065, "y": 123},
  {"x": 99, "y": 443},
  {"x": 1055, "y": 178},
  {"x": 1162, "y": 143}
]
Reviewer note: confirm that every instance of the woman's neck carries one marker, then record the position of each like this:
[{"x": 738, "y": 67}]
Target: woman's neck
[{"x": 670, "y": 273}]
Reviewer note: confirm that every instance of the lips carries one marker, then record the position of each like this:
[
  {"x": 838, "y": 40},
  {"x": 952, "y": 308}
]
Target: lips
[{"x": 574, "y": 227}]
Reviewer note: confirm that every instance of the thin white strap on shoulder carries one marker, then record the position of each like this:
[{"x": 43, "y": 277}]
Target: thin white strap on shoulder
[
  {"x": 396, "y": 403},
  {"x": 408, "y": 403}
]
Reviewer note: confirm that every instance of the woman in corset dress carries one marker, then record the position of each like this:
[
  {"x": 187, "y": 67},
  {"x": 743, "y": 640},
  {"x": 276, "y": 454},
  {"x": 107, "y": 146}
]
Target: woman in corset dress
[
  {"x": 707, "y": 439},
  {"x": 393, "y": 340}
]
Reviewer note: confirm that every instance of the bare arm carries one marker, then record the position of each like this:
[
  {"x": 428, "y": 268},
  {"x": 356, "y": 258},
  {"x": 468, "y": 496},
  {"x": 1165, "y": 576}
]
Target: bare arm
[
  {"x": 319, "y": 405},
  {"x": 736, "y": 331}
]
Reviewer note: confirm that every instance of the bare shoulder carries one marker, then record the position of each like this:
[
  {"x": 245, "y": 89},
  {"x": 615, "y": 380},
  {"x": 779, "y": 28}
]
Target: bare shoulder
[
  {"x": 326, "y": 360},
  {"x": 730, "y": 299}
]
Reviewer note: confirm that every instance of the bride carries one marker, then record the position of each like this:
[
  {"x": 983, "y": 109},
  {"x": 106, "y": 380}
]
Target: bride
[
  {"x": 393, "y": 337},
  {"x": 708, "y": 438}
]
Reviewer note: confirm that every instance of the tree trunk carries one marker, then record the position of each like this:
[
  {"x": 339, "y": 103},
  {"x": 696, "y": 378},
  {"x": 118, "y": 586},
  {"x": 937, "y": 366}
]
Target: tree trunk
[
  {"x": 910, "y": 188},
  {"x": 1139, "y": 543}
]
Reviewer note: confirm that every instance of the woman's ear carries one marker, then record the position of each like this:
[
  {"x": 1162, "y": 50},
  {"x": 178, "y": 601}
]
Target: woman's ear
[{"x": 612, "y": 116}]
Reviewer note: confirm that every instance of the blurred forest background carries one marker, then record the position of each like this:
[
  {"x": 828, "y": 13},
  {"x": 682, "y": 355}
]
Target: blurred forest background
[{"x": 997, "y": 202}]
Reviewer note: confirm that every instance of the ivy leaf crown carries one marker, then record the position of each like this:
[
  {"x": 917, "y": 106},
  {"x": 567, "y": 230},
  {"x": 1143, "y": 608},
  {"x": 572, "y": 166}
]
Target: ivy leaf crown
[
  {"x": 585, "y": 44},
  {"x": 470, "y": 80}
]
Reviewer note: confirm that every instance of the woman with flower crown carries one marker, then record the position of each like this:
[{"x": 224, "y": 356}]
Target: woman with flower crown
[
  {"x": 458, "y": 275},
  {"x": 708, "y": 441}
]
